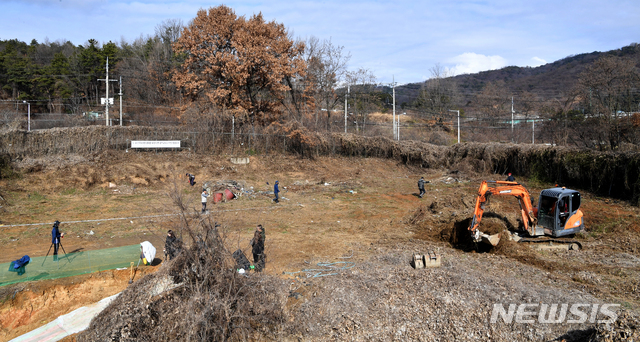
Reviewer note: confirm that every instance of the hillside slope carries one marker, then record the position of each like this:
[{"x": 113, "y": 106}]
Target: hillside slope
[{"x": 547, "y": 81}]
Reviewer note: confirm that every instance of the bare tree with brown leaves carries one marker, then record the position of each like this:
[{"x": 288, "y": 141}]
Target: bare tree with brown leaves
[{"x": 237, "y": 63}]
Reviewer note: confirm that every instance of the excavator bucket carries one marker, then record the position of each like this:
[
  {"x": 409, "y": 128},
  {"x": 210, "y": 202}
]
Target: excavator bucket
[
  {"x": 492, "y": 239},
  {"x": 479, "y": 236}
]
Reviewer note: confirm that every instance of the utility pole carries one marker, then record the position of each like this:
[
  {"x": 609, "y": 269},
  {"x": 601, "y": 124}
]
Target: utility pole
[
  {"x": 533, "y": 131},
  {"x": 345, "y": 108},
  {"x": 512, "y": 112},
  {"x": 398, "y": 128},
  {"x": 393, "y": 84},
  {"x": 106, "y": 100},
  {"x": 28, "y": 115},
  {"x": 120, "y": 94},
  {"x": 457, "y": 111}
]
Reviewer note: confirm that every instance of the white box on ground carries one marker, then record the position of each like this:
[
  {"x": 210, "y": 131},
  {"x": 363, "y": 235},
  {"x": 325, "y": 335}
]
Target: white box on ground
[
  {"x": 240, "y": 161},
  {"x": 155, "y": 143}
]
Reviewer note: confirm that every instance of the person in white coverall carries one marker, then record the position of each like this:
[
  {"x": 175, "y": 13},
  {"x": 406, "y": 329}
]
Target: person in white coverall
[{"x": 204, "y": 200}]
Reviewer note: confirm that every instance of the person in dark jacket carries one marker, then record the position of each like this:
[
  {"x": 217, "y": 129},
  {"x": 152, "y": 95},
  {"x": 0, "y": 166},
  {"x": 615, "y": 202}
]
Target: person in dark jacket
[
  {"x": 192, "y": 179},
  {"x": 55, "y": 239},
  {"x": 171, "y": 246},
  {"x": 264, "y": 238},
  {"x": 276, "y": 191},
  {"x": 421, "y": 186},
  {"x": 510, "y": 178},
  {"x": 257, "y": 248}
]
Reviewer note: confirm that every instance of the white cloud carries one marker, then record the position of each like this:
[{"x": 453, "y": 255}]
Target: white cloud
[
  {"x": 469, "y": 63},
  {"x": 537, "y": 61}
]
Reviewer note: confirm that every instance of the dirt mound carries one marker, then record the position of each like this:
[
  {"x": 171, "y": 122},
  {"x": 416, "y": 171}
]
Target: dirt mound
[
  {"x": 385, "y": 299},
  {"x": 433, "y": 221},
  {"x": 493, "y": 225},
  {"x": 57, "y": 173},
  {"x": 441, "y": 220},
  {"x": 25, "y": 306},
  {"x": 510, "y": 248},
  {"x": 459, "y": 237}
]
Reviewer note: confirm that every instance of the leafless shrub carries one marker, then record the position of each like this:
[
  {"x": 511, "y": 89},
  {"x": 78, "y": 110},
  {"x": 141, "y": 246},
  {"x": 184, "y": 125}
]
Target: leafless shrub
[
  {"x": 198, "y": 296},
  {"x": 439, "y": 138},
  {"x": 10, "y": 120}
]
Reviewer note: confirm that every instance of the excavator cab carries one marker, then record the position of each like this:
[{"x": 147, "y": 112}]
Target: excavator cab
[{"x": 559, "y": 212}]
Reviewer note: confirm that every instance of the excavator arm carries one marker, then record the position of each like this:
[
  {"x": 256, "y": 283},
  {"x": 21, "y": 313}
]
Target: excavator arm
[{"x": 501, "y": 188}]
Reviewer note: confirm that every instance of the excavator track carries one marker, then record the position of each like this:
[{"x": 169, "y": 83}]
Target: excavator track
[{"x": 544, "y": 243}]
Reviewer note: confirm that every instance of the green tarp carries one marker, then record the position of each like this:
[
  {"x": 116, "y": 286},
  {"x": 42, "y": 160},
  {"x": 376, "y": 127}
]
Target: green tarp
[{"x": 71, "y": 264}]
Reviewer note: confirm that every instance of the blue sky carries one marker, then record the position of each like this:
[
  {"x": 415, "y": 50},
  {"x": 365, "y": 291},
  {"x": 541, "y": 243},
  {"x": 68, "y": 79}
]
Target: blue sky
[{"x": 400, "y": 38}]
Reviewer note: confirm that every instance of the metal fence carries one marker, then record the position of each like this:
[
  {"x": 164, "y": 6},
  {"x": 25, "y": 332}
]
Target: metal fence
[
  {"x": 439, "y": 130},
  {"x": 99, "y": 138}
]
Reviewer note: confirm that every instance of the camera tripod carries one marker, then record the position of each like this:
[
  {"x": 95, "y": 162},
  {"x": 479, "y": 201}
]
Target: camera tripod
[{"x": 60, "y": 244}]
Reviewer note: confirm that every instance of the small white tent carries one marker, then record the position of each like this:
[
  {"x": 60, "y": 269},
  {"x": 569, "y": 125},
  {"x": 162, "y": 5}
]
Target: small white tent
[{"x": 148, "y": 251}]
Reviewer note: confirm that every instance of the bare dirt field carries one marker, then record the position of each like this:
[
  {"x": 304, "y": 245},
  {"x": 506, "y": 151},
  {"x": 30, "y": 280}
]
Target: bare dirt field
[{"x": 361, "y": 210}]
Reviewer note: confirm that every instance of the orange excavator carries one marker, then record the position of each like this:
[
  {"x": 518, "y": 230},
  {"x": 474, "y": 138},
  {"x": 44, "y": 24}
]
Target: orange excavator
[{"x": 558, "y": 213}]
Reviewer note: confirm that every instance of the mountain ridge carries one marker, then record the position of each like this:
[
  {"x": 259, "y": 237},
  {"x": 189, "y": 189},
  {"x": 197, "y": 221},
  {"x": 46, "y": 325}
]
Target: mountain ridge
[{"x": 548, "y": 81}]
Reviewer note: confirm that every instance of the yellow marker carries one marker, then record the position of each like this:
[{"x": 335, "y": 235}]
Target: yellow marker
[{"x": 131, "y": 274}]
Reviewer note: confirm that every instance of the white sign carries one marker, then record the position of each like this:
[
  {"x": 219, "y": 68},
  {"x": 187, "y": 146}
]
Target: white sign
[
  {"x": 155, "y": 143},
  {"x": 103, "y": 100}
]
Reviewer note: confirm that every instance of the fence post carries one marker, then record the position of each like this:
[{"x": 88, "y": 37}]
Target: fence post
[{"x": 333, "y": 146}]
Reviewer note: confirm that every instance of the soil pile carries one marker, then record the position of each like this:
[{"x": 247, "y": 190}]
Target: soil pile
[
  {"x": 385, "y": 299},
  {"x": 625, "y": 328}
]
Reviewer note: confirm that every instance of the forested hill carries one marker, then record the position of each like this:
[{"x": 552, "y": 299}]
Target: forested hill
[{"x": 547, "y": 81}]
